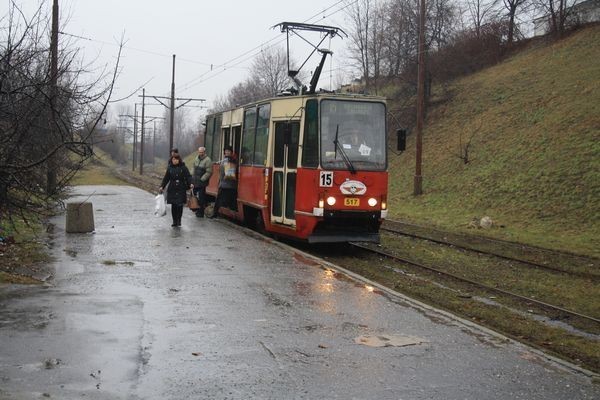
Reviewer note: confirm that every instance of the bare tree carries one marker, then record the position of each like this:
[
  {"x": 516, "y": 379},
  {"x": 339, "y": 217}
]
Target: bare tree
[
  {"x": 481, "y": 12},
  {"x": 465, "y": 147},
  {"x": 269, "y": 69},
  {"x": 401, "y": 40},
  {"x": 511, "y": 7},
  {"x": 41, "y": 120},
  {"x": 268, "y": 76},
  {"x": 377, "y": 42},
  {"x": 359, "y": 13},
  {"x": 559, "y": 13},
  {"x": 442, "y": 18}
]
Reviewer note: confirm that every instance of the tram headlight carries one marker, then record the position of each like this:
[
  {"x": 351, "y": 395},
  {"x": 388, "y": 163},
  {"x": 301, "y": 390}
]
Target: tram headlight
[
  {"x": 383, "y": 205},
  {"x": 372, "y": 202},
  {"x": 321, "y": 203},
  {"x": 331, "y": 200}
]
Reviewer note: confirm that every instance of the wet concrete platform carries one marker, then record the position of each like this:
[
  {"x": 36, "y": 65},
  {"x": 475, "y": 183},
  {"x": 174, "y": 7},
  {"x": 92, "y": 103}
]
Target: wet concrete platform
[{"x": 140, "y": 310}]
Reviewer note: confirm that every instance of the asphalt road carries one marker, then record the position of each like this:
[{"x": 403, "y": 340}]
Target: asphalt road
[{"x": 140, "y": 310}]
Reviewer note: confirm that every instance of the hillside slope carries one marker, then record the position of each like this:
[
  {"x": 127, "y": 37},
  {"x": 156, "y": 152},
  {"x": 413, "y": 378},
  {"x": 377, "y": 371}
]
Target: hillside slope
[{"x": 534, "y": 154}]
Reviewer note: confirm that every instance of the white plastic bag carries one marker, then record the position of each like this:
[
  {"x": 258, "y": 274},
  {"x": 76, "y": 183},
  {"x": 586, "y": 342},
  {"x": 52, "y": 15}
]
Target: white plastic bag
[{"x": 160, "y": 206}]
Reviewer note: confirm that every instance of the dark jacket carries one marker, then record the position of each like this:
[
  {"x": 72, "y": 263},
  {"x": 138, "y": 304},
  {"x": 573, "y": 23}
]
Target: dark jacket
[{"x": 179, "y": 180}]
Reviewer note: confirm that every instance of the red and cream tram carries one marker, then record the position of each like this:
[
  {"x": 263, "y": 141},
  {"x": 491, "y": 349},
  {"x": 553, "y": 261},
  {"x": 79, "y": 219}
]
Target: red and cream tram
[{"x": 311, "y": 167}]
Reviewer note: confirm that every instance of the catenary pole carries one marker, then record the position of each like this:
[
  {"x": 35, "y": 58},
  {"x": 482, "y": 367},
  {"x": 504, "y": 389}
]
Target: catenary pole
[
  {"x": 172, "y": 127},
  {"x": 133, "y": 158},
  {"x": 142, "y": 138},
  {"x": 418, "y": 181},
  {"x": 51, "y": 163}
]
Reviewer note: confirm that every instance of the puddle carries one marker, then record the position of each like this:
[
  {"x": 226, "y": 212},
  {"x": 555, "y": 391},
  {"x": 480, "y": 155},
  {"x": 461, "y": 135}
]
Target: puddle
[
  {"x": 304, "y": 260},
  {"x": 388, "y": 340},
  {"x": 127, "y": 263}
]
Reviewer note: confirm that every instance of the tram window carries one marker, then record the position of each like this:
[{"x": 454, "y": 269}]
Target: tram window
[
  {"x": 310, "y": 146},
  {"x": 226, "y": 136},
  {"x": 248, "y": 136},
  {"x": 208, "y": 136},
  {"x": 217, "y": 138},
  {"x": 262, "y": 134},
  {"x": 293, "y": 145}
]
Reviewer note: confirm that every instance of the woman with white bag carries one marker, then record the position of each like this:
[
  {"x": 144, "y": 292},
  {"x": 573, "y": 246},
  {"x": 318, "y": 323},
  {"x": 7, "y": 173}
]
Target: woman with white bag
[{"x": 179, "y": 179}]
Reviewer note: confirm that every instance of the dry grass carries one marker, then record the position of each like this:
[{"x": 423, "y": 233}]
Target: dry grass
[{"x": 534, "y": 156}]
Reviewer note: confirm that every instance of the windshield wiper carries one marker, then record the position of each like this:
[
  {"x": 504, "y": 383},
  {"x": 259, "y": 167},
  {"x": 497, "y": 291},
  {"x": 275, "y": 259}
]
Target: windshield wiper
[{"x": 342, "y": 152}]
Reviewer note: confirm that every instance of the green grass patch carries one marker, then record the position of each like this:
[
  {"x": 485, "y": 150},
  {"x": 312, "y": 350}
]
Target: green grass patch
[
  {"x": 16, "y": 279},
  {"x": 534, "y": 158},
  {"x": 27, "y": 251}
]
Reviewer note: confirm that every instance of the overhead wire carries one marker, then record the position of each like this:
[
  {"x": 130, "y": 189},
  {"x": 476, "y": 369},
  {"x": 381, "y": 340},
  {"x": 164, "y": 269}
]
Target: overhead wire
[
  {"x": 225, "y": 66},
  {"x": 218, "y": 69}
]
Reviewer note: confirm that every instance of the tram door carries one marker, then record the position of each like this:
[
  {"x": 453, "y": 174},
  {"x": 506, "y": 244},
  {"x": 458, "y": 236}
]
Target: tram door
[{"x": 285, "y": 161}]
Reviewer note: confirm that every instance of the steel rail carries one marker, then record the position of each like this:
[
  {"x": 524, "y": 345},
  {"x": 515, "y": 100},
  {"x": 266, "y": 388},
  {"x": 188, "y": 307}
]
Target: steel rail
[
  {"x": 479, "y": 284},
  {"x": 490, "y": 253},
  {"x": 502, "y": 241}
]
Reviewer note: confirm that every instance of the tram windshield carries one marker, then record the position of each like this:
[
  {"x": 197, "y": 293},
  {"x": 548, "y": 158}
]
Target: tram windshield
[{"x": 359, "y": 128}]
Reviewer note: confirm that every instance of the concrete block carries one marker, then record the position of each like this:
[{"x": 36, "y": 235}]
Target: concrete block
[{"x": 80, "y": 218}]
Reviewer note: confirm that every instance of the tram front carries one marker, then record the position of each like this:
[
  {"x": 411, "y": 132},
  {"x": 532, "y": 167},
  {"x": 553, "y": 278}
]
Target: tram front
[{"x": 345, "y": 138}]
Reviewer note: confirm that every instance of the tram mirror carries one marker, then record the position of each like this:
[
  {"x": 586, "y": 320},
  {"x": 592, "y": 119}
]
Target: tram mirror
[
  {"x": 401, "y": 133},
  {"x": 287, "y": 134}
]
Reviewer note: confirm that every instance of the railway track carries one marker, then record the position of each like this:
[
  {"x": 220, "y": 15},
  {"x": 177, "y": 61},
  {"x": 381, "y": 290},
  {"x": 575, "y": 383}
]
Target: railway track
[
  {"x": 440, "y": 271},
  {"x": 572, "y": 265}
]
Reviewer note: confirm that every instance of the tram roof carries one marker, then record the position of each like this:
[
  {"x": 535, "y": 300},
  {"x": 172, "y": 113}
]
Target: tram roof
[{"x": 329, "y": 95}]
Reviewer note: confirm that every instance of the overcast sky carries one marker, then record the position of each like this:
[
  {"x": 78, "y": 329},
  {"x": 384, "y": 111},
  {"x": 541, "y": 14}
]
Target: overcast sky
[{"x": 224, "y": 33}]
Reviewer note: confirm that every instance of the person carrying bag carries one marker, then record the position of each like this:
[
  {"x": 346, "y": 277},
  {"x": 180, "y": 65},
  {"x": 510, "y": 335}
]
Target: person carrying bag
[{"x": 179, "y": 179}]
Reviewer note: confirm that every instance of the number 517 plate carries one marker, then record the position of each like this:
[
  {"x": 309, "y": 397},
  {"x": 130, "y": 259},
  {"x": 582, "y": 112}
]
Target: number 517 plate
[{"x": 351, "y": 202}]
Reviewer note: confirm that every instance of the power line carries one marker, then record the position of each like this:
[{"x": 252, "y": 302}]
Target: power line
[
  {"x": 154, "y": 53},
  {"x": 218, "y": 69},
  {"x": 196, "y": 81}
]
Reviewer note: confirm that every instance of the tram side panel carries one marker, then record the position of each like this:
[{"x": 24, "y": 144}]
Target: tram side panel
[{"x": 251, "y": 187}]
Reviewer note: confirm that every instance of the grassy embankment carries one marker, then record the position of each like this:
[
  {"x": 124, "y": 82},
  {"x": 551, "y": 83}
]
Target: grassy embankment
[{"x": 534, "y": 157}]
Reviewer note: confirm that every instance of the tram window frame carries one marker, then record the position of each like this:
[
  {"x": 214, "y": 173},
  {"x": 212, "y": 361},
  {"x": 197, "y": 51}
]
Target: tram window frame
[
  {"x": 310, "y": 140},
  {"x": 209, "y": 136},
  {"x": 248, "y": 136},
  {"x": 218, "y": 136},
  {"x": 261, "y": 140}
]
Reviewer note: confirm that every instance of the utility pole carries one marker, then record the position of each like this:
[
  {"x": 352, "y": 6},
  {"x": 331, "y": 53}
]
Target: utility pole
[
  {"x": 154, "y": 143},
  {"x": 142, "y": 139},
  {"x": 418, "y": 181},
  {"x": 171, "y": 129},
  {"x": 51, "y": 163},
  {"x": 172, "y": 106},
  {"x": 133, "y": 158},
  {"x": 135, "y": 128},
  {"x": 143, "y": 123}
]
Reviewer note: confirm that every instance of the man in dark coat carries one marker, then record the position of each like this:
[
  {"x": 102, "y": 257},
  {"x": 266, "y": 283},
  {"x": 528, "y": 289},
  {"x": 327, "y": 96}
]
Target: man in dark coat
[{"x": 179, "y": 179}]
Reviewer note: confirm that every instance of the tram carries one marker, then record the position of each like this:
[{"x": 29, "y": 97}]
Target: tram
[{"x": 311, "y": 165}]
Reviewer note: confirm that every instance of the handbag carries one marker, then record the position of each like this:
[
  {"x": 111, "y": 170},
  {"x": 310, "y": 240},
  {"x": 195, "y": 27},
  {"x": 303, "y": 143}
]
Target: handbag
[{"x": 192, "y": 202}]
